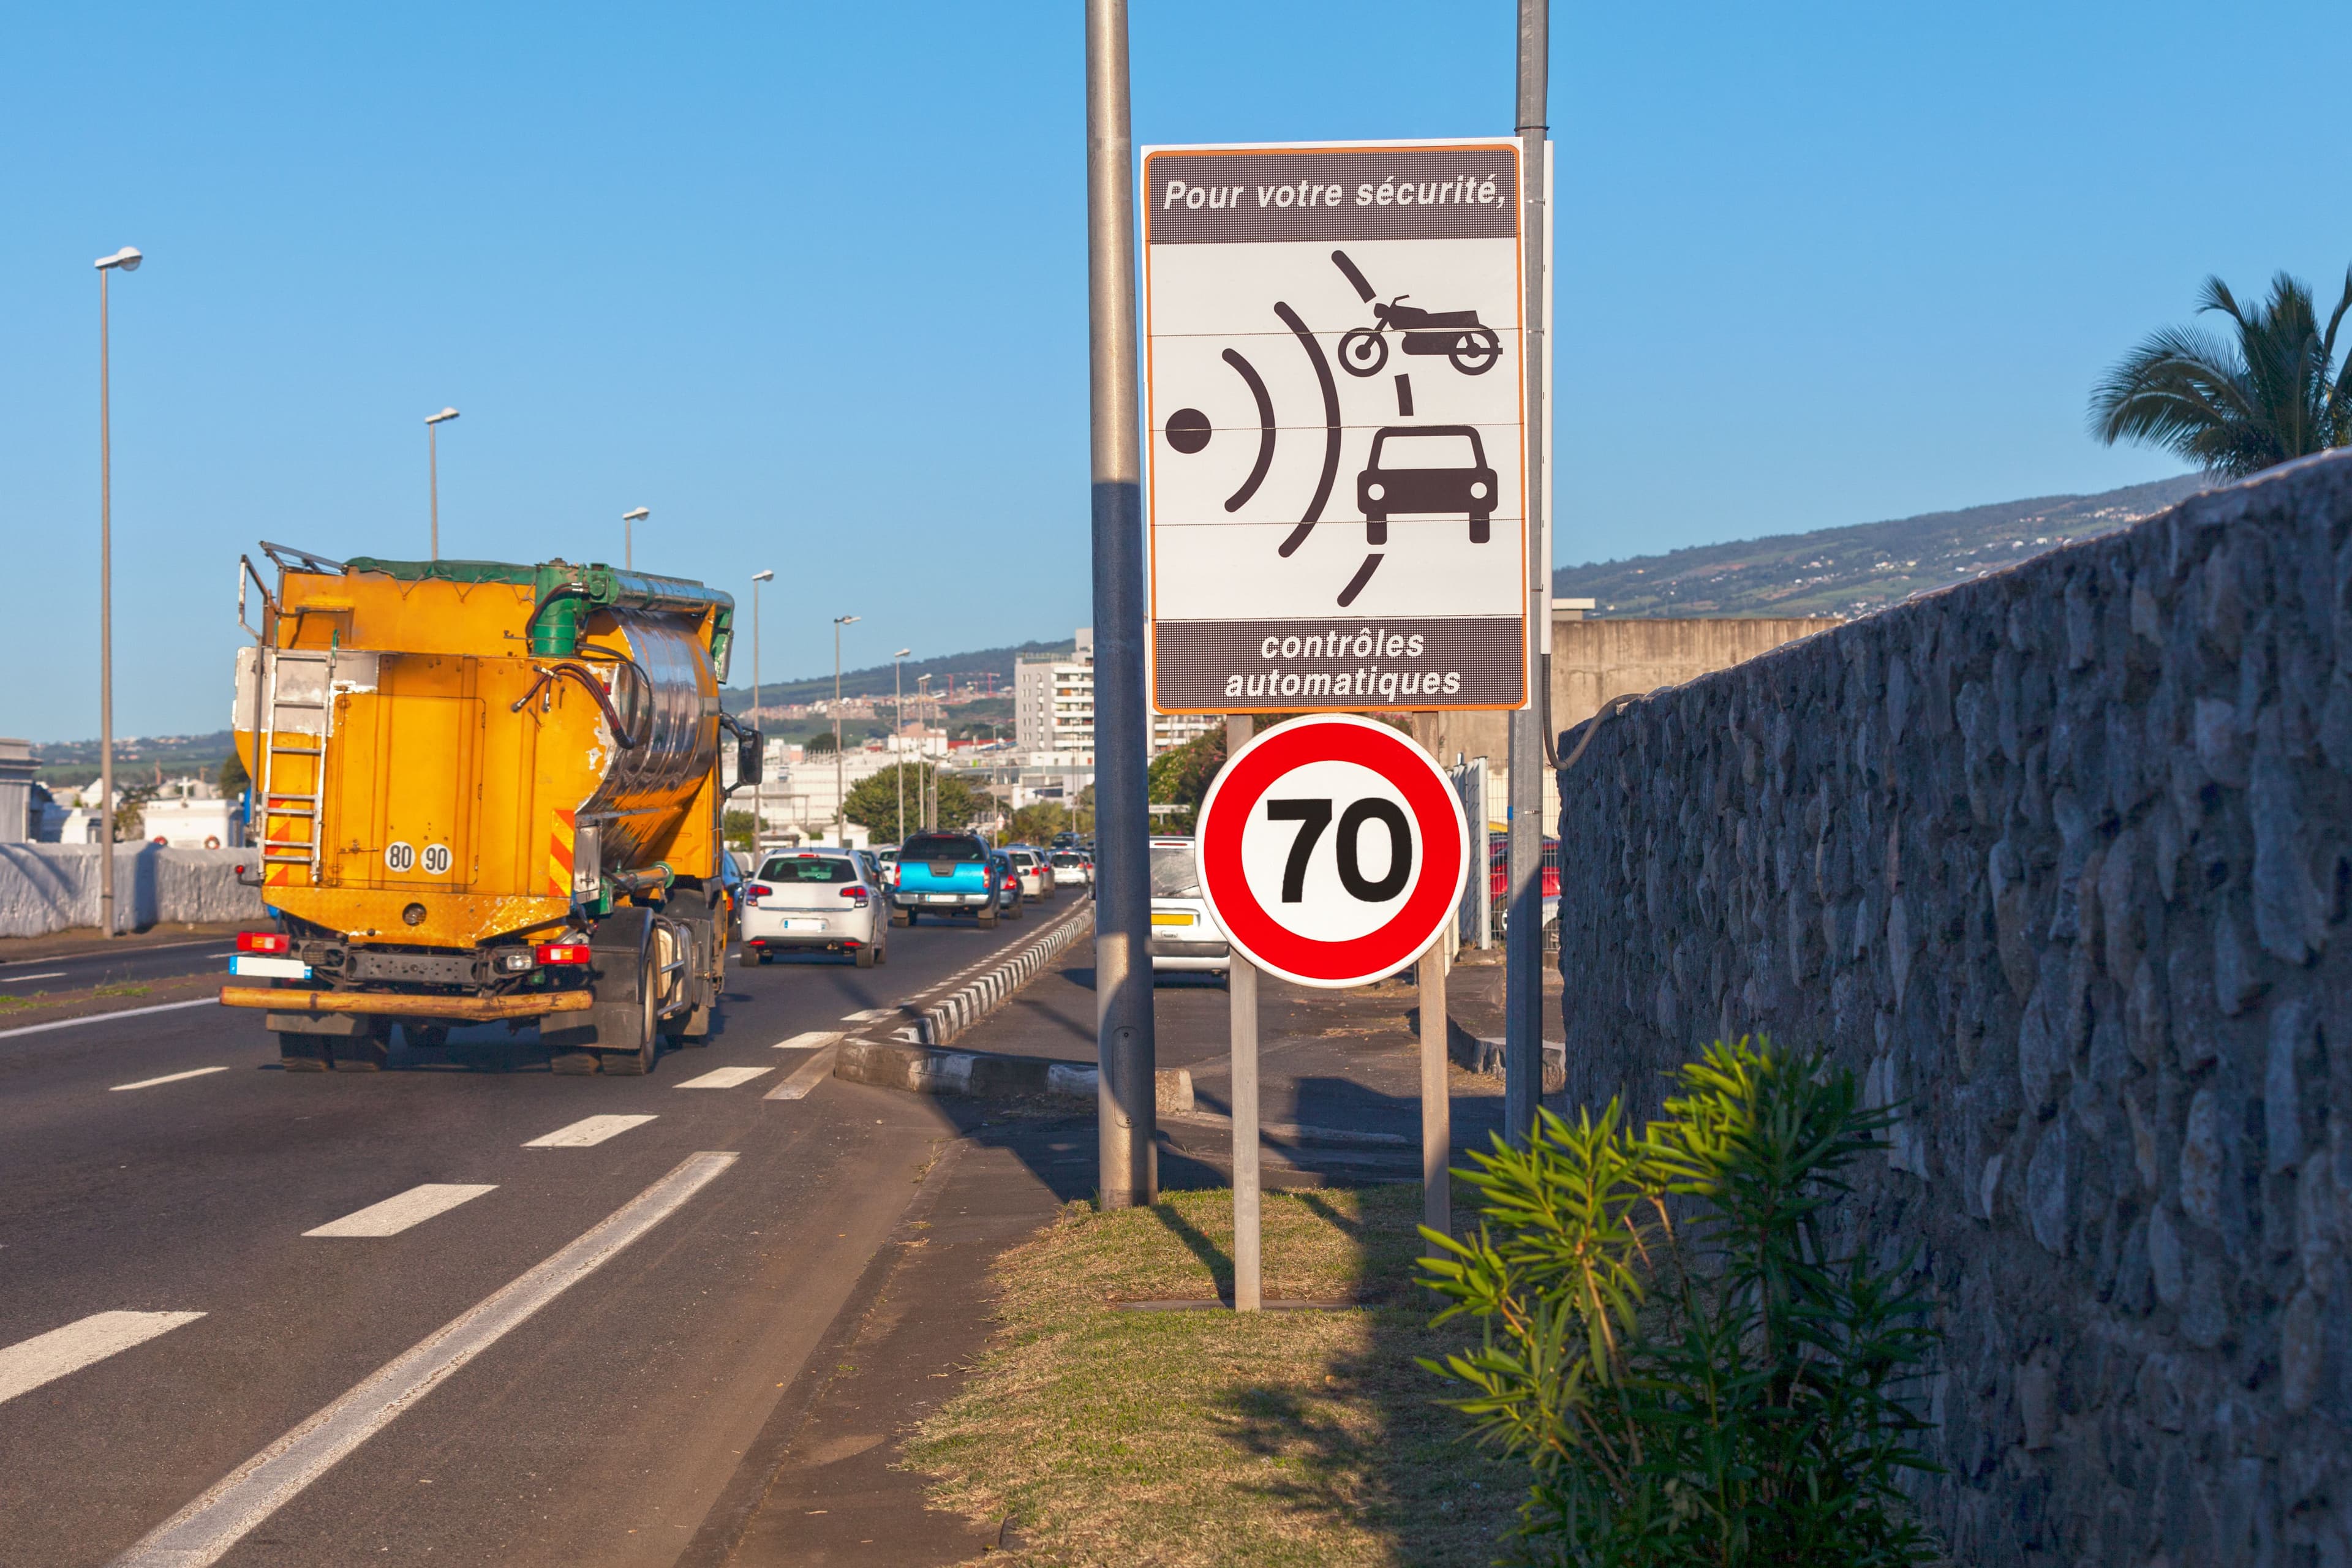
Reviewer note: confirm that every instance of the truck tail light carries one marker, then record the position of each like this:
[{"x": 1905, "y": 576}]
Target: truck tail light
[
  {"x": 264, "y": 941},
  {"x": 553, "y": 953}
]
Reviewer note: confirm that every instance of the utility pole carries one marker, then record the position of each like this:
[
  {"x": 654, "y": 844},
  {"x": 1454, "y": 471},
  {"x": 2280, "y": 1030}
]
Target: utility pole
[
  {"x": 1523, "y": 939},
  {"x": 898, "y": 724},
  {"x": 840, "y": 789},
  {"x": 758, "y": 790},
  {"x": 1125, "y": 1048},
  {"x": 629, "y": 520},
  {"x": 127, "y": 260},
  {"x": 433, "y": 423}
]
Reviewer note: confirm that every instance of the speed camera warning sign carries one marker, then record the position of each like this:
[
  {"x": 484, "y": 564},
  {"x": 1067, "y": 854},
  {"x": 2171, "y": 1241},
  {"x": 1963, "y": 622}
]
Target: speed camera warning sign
[
  {"x": 1335, "y": 386},
  {"x": 1332, "y": 850}
]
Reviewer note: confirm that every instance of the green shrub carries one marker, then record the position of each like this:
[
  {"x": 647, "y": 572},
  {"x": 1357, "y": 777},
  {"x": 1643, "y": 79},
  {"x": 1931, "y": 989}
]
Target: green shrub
[{"x": 1672, "y": 1343}]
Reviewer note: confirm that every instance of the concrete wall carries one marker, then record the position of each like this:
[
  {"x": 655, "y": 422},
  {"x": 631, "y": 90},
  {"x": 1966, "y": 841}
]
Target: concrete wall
[
  {"x": 53, "y": 887},
  {"x": 2061, "y": 858},
  {"x": 1592, "y": 661}
]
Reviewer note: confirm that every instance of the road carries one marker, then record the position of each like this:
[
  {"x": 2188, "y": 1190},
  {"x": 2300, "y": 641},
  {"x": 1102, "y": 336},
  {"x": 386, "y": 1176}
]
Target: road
[
  {"x": 164, "y": 1165},
  {"x": 76, "y": 971}
]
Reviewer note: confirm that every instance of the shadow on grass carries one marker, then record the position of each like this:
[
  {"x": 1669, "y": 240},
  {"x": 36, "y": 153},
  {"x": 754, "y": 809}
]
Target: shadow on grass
[{"x": 1373, "y": 1444}]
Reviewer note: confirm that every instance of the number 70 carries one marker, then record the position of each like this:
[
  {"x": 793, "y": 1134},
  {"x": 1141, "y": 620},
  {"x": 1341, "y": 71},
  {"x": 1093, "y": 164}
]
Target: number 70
[{"x": 1314, "y": 815}]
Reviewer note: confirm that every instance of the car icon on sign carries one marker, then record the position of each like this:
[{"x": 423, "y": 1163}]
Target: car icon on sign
[{"x": 1426, "y": 469}]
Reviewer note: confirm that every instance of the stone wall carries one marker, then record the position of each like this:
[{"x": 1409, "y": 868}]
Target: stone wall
[
  {"x": 2060, "y": 860},
  {"x": 54, "y": 886}
]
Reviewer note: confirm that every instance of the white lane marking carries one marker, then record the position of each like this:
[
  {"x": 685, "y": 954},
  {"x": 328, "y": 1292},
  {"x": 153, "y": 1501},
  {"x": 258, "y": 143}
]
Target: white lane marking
[
  {"x": 107, "y": 1018},
  {"x": 45, "y": 1358},
  {"x": 588, "y": 1132},
  {"x": 806, "y": 1077},
  {"x": 203, "y": 1531},
  {"x": 167, "y": 1077},
  {"x": 45, "y": 974},
  {"x": 725, "y": 1077},
  {"x": 809, "y": 1040},
  {"x": 869, "y": 1016},
  {"x": 397, "y": 1214}
]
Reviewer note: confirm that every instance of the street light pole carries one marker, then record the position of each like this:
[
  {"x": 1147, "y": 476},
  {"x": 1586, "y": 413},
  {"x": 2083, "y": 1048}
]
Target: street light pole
[
  {"x": 899, "y": 723},
  {"x": 758, "y": 790},
  {"x": 433, "y": 460},
  {"x": 1522, "y": 937},
  {"x": 628, "y": 545},
  {"x": 1124, "y": 1043},
  {"x": 125, "y": 259},
  {"x": 840, "y": 794}
]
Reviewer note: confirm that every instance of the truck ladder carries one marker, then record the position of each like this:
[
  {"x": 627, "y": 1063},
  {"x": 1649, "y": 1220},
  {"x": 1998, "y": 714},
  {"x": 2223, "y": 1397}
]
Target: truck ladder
[{"x": 297, "y": 688}]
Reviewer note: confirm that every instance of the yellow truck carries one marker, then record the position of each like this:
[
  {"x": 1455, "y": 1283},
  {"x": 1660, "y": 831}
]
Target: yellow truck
[{"x": 482, "y": 792}]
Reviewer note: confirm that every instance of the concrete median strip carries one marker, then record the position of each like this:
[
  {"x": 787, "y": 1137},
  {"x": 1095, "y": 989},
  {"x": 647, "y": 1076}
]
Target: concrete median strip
[{"x": 919, "y": 1070}]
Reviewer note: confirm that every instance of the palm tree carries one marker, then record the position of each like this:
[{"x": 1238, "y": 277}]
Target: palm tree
[{"x": 2274, "y": 395}]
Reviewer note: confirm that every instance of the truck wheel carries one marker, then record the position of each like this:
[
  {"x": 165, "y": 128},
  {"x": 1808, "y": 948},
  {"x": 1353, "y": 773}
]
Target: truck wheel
[
  {"x": 986, "y": 919},
  {"x": 864, "y": 957},
  {"x": 1014, "y": 912},
  {"x": 573, "y": 1064},
  {"x": 642, "y": 1021},
  {"x": 902, "y": 917},
  {"x": 302, "y": 1053},
  {"x": 359, "y": 1053}
]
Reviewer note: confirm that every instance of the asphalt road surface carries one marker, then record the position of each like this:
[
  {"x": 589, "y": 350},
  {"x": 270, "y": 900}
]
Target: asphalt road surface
[
  {"x": 454, "y": 1317},
  {"x": 74, "y": 972}
]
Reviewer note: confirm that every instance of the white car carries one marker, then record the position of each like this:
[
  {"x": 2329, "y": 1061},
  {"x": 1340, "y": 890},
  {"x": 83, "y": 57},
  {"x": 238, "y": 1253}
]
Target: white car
[
  {"x": 1185, "y": 935},
  {"x": 1072, "y": 870},
  {"x": 816, "y": 900},
  {"x": 1037, "y": 877}
]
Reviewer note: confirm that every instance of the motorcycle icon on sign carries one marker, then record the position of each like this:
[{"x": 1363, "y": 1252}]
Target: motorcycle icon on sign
[{"x": 1457, "y": 335}]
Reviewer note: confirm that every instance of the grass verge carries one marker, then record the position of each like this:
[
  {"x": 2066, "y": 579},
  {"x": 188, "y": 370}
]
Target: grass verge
[{"x": 1207, "y": 1437}]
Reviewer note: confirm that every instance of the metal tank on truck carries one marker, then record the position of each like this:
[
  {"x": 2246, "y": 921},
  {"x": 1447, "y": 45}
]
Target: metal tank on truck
[{"x": 484, "y": 792}]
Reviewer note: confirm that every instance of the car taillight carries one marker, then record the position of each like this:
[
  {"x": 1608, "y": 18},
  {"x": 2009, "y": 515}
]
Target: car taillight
[
  {"x": 264, "y": 941},
  {"x": 755, "y": 891},
  {"x": 553, "y": 952},
  {"x": 858, "y": 893}
]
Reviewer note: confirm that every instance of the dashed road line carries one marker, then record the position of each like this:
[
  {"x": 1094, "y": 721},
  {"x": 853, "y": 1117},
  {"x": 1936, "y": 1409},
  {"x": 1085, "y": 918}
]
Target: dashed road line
[
  {"x": 725, "y": 1077},
  {"x": 45, "y": 974},
  {"x": 397, "y": 1214},
  {"x": 809, "y": 1040},
  {"x": 807, "y": 1075},
  {"x": 45, "y": 1358},
  {"x": 588, "y": 1132},
  {"x": 869, "y": 1015},
  {"x": 167, "y": 1077},
  {"x": 202, "y": 1532}
]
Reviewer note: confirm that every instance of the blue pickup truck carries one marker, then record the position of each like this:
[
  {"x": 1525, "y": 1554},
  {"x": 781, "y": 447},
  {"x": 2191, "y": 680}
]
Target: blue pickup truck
[{"x": 945, "y": 874}]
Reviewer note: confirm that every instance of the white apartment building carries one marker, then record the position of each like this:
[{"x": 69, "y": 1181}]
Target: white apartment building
[{"x": 1053, "y": 709}]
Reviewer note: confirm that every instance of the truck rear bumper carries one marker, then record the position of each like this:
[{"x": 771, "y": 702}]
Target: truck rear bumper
[{"x": 469, "y": 1009}]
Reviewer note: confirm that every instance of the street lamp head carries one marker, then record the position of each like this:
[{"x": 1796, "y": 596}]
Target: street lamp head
[
  {"x": 902, "y": 653},
  {"x": 127, "y": 259},
  {"x": 763, "y": 576},
  {"x": 842, "y": 620},
  {"x": 638, "y": 515},
  {"x": 437, "y": 418}
]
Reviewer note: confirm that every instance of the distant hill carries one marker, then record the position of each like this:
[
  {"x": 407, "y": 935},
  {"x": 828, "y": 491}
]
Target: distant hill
[{"x": 1853, "y": 571}]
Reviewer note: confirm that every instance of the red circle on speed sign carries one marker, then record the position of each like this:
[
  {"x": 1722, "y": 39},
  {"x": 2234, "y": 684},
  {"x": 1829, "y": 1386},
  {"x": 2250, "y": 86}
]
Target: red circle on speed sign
[{"x": 1332, "y": 850}]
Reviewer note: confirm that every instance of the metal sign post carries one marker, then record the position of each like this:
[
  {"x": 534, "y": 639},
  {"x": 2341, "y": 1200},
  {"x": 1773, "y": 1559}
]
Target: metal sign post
[
  {"x": 1436, "y": 1100},
  {"x": 1124, "y": 1044},
  {"x": 1241, "y": 982}
]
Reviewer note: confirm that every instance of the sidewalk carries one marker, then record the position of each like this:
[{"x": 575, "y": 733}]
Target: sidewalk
[{"x": 82, "y": 940}]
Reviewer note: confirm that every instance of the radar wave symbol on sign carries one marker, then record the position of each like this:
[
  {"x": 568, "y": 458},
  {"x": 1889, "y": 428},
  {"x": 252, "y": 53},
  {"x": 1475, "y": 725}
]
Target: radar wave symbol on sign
[{"x": 1472, "y": 349}]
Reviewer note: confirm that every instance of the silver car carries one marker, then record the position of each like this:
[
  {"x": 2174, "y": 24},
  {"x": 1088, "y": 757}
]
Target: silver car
[{"x": 1184, "y": 932}]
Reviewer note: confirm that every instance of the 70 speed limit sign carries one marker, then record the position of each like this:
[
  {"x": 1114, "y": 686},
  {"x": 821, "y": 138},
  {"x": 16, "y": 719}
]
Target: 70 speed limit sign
[{"x": 1332, "y": 850}]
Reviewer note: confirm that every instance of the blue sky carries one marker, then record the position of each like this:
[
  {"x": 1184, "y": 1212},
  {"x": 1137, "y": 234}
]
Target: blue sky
[{"x": 808, "y": 281}]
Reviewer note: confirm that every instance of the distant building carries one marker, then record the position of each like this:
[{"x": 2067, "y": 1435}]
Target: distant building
[{"x": 1053, "y": 709}]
